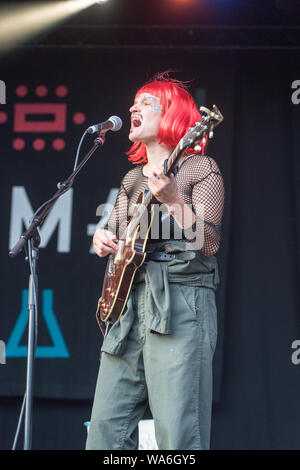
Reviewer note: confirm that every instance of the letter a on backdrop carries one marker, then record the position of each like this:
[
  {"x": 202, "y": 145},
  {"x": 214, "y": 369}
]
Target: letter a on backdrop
[{"x": 58, "y": 349}]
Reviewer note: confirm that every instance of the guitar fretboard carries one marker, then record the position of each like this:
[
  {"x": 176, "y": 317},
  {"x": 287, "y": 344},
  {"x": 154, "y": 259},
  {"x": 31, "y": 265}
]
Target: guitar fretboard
[{"x": 170, "y": 163}]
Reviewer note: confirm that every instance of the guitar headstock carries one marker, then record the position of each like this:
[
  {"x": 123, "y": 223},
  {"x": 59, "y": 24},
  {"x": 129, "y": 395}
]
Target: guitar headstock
[
  {"x": 204, "y": 128},
  {"x": 213, "y": 118}
]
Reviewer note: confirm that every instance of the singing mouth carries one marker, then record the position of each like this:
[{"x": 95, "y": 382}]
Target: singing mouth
[{"x": 136, "y": 120}]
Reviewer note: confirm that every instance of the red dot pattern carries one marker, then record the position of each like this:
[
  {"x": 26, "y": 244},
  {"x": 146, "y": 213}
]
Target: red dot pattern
[
  {"x": 18, "y": 144},
  {"x": 79, "y": 118},
  {"x": 41, "y": 90},
  {"x": 38, "y": 144},
  {"x": 58, "y": 144},
  {"x": 3, "y": 117},
  {"x": 61, "y": 91},
  {"x": 21, "y": 91}
]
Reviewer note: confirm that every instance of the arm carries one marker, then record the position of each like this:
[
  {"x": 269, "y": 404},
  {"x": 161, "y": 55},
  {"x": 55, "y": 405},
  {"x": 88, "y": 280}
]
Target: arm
[
  {"x": 208, "y": 198},
  {"x": 165, "y": 190},
  {"x": 182, "y": 213},
  {"x": 203, "y": 219},
  {"x": 105, "y": 239}
]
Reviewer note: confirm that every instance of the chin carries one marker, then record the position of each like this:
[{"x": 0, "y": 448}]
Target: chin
[{"x": 133, "y": 138}]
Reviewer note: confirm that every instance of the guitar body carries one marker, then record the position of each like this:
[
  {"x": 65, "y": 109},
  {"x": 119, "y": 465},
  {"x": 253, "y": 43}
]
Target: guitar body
[{"x": 120, "y": 271}]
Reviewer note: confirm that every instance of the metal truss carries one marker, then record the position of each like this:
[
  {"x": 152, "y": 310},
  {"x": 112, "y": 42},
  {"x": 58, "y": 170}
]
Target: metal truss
[{"x": 173, "y": 37}]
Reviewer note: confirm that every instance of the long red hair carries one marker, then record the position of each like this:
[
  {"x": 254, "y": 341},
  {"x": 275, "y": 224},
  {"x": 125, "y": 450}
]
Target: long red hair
[{"x": 179, "y": 113}]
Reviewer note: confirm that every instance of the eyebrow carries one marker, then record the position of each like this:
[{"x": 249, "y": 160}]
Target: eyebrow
[{"x": 147, "y": 98}]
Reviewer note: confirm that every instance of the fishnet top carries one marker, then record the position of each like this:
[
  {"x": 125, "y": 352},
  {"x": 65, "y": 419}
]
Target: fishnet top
[{"x": 200, "y": 184}]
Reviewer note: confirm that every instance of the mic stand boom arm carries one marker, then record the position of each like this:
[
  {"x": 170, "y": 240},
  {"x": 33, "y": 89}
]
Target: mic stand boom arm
[{"x": 43, "y": 211}]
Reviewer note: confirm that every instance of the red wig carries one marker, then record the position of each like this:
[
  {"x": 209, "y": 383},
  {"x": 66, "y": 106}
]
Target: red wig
[{"x": 179, "y": 113}]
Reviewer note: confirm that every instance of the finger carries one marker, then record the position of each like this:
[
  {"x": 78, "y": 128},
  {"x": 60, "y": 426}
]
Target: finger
[
  {"x": 104, "y": 245},
  {"x": 159, "y": 171},
  {"x": 110, "y": 243},
  {"x": 103, "y": 250},
  {"x": 162, "y": 175},
  {"x": 154, "y": 178},
  {"x": 158, "y": 175},
  {"x": 100, "y": 250},
  {"x": 111, "y": 236}
]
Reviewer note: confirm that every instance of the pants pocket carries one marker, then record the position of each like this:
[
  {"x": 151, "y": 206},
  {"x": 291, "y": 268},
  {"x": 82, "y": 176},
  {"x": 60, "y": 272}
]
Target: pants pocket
[{"x": 188, "y": 296}]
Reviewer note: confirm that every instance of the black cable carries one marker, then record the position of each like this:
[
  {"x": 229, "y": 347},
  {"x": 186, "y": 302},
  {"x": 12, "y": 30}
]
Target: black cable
[
  {"x": 19, "y": 422},
  {"x": 78, "y": 150}
]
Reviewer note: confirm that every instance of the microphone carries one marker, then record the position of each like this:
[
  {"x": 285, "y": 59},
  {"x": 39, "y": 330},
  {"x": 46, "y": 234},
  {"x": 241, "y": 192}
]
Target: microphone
[{"x": 114, "y": 123}]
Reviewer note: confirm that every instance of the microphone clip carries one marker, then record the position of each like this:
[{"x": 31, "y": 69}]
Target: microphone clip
[{"x": 100, "y": 140}]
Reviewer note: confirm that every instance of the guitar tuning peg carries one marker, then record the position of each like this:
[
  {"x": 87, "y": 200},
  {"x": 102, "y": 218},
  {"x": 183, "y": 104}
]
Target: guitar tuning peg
[{"x": 211, "y": 134}]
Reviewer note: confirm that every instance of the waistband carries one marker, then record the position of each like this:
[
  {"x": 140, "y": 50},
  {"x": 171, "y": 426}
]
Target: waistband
[{"x": 163, "y": 256}]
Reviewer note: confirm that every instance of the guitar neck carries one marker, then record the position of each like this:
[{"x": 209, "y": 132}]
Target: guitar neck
[
  {"x": 177, "y": 152},
  {"x": 175, "y": 155}
]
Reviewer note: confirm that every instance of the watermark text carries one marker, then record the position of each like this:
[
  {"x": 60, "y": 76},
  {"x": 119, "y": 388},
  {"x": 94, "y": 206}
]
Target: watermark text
[
  {"x": 2, "y": 352},
  {"x": 296, "y": 354},
  {"x": 2, "y": 92}
]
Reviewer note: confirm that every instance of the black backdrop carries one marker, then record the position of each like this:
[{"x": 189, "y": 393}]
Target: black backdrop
[{"x": 256, "y": 382}]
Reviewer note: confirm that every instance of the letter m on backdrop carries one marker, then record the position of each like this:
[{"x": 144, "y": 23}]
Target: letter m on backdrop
[{"x": 60, "y": 215}]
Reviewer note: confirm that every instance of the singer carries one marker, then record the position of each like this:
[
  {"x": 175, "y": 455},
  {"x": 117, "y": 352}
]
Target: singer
[{"x": 161, "y": 349}]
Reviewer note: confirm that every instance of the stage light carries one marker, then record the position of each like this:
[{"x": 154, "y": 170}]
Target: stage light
[{"x": 19, "y": 24}]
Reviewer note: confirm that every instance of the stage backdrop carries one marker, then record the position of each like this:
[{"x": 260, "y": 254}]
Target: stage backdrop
[
  {"x": 51, "y": 97},
  {"x": 48, "y": 106}
]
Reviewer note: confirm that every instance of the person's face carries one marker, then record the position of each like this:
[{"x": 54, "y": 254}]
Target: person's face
[{"x": 146, "y": 114}]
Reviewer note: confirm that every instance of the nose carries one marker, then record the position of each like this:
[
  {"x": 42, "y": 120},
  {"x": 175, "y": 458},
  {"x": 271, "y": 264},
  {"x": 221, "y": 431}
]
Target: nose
[{"x": 134, "y": 107}]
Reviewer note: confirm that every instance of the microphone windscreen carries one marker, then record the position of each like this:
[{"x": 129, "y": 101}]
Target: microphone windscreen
[{"x": 117, "y": 122}]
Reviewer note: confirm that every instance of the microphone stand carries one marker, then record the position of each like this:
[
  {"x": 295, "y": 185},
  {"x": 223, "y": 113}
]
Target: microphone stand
[
  {"x": 32, "y": 238},
  {"x": 33, "y": 251}
]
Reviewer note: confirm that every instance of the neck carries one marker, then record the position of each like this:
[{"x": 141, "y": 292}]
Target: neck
[{"x": 157, "y": 154}]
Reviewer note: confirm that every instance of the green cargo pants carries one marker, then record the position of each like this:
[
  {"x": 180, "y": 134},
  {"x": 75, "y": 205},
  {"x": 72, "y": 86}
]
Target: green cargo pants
[{"x": 164, "y": 361}]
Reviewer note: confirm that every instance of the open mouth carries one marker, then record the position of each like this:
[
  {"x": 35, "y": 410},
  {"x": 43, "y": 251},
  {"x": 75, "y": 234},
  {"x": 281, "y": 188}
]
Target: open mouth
[{"x": 136, "y": 121}]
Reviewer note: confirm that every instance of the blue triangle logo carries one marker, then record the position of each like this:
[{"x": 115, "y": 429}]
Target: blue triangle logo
[{"x": 58, "y": 349}]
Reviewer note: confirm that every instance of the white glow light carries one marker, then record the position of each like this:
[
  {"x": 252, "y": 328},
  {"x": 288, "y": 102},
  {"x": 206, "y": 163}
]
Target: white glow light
[{"x": 20, "y": 23}]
